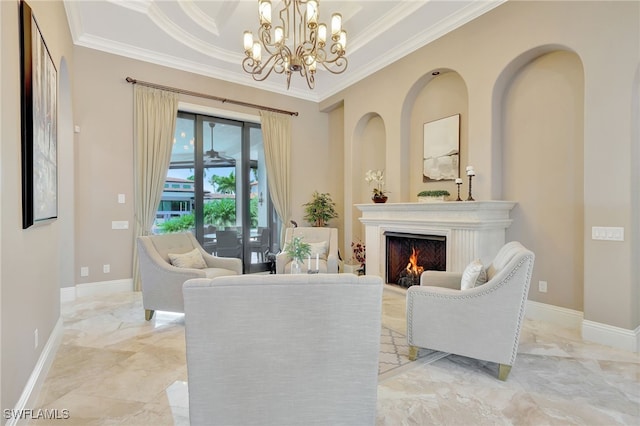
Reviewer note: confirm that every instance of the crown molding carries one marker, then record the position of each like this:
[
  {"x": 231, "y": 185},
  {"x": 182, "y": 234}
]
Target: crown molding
[{"x": 145, "y": 55}]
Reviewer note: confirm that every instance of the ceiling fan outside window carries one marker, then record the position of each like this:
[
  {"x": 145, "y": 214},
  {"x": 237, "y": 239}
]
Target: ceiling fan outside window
[{"x": 216, "y": 158}]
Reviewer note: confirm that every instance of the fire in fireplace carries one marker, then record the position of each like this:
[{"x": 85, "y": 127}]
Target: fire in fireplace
[{"x": 408, "y": 255}]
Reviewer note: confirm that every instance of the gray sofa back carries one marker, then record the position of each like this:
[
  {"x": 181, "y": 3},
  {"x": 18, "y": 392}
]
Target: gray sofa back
[{"x": 283, "y": 349}]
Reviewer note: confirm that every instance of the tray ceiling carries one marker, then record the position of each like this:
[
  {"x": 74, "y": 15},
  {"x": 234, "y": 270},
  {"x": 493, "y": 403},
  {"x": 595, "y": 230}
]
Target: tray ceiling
[{"x": 205, "y": 37}]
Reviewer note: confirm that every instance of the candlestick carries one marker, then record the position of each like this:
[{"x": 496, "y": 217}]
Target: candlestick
[
  {"x": 470, "y": 198},
  {"x": 458, "y": 183}
]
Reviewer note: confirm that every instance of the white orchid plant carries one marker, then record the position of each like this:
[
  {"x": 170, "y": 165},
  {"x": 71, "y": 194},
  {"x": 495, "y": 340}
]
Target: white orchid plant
[{"x": 377, "y": 178}]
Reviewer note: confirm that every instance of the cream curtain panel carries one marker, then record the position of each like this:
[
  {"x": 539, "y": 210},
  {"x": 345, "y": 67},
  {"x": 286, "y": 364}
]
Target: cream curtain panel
[
  {"x": 276, "y": 136},
  {"x": 155, "y": 125}
]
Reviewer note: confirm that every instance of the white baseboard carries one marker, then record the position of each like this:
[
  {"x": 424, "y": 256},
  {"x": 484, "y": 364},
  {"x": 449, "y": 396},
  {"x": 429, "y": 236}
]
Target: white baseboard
[
  {"x": 563, "y": 317},
  {"x": 609, "y": 335},
  {"x": 68, "y": 294},
  {"x": 592, "y": 331},
  {"x": 29, "y": 396}
]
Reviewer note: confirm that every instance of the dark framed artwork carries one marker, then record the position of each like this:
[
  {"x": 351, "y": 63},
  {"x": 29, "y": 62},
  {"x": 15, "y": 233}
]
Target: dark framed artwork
[
  {"x": 441, "y": 160},
  {"x": 39, "y": 118}
]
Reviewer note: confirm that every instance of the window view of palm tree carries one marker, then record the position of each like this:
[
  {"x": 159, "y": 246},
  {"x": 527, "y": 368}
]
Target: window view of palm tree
[{"x": 216, "y": 187}]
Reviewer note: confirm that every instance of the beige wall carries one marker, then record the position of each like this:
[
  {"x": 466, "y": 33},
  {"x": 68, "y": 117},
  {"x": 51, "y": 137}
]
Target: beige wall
[
  {"x": 542, "y": 147},
  {"x": 31, "y": 265},
  {"x": 489, "y": 54},
  {"x": 104, "y": 157}
]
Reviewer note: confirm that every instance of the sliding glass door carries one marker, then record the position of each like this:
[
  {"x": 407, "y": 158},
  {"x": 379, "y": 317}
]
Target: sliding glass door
[{"x": 217, "y": 188}]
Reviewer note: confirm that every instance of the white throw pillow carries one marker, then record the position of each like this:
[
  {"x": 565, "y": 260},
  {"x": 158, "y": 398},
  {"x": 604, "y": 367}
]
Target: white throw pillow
[
  {"x": 320, "y": 249},
  {"x": 192, "y": 259},
  {"x": 473, "y": 275}
]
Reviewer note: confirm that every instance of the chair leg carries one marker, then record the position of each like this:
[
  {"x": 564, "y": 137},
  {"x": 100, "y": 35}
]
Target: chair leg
[
  {"x": 503, "y": 371},
  {"x": 413, "y": 353},
  {"x": 148, "y": 314}
]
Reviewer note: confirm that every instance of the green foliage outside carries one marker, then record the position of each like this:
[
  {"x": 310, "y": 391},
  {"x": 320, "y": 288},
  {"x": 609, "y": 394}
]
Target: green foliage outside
[
  {"x": 224, "y": 184},
  {"x": 220, "y": 213},
  {"x": 178, "y": 224}
]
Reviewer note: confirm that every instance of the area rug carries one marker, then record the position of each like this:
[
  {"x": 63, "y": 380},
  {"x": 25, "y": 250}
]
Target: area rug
[{"x": 394, "y": 354}]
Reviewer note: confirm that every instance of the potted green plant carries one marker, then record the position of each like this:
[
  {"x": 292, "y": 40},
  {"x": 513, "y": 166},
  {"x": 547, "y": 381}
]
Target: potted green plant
[
  {"x": 297, "y": 250},
  {"x": 320, "y": 209},
  {"x": 432, "y": 195}
]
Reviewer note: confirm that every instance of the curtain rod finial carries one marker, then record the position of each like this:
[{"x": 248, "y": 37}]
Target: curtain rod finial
[{"x": 131, "y": 80}]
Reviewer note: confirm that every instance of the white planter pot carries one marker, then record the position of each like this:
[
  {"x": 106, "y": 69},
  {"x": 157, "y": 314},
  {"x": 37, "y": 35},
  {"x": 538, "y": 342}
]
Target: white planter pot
[{"x": 438, "y": 199}]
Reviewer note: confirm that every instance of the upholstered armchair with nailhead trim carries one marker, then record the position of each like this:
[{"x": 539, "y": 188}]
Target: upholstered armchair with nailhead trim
[{"x": 481, "y": 322}]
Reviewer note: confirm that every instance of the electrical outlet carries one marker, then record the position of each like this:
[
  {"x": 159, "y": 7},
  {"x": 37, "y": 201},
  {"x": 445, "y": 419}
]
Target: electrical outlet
[
  {"x": 84, "y": 271},
  {"x": 35, "y": 339},
  {"x": 542, "y": 286},
  {"x": 106, "y": 268}
]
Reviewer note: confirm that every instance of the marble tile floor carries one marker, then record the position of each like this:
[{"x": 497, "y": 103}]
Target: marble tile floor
[{"x": 113, "y": 367}]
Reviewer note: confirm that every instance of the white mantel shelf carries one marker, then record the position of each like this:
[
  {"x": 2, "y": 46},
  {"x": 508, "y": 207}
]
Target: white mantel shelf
[{"x": 474, "y": 229}]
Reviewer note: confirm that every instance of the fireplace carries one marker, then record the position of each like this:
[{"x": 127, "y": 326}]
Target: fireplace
[
  {"x": 408, "y": 255},
  {"x": 473, "y": 229}
]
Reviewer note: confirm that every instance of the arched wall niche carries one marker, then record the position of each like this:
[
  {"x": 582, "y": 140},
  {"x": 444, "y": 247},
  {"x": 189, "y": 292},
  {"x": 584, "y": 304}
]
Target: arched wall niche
[
  {"x": 439, "y": 93},
  {"x": 499, "y": 88},
  {"x": 369, "y": 147},
  {"x": 538, "y": 158}
]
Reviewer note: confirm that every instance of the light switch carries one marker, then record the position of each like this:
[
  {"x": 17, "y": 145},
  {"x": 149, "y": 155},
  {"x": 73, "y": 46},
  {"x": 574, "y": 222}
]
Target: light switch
[
  {"x": 120, "y": 224},
  {"x": 608, "y": 233},
  {"x": 121, "y": 198}
]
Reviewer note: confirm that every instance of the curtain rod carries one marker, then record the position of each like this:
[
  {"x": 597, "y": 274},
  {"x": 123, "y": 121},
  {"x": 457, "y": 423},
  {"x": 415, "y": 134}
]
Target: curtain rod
[{"x": 204, "y": 95}]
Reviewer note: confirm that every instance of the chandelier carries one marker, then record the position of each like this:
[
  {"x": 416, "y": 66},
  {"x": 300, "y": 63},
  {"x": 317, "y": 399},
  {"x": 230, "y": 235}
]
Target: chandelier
[{"x": 297, "y": 44}]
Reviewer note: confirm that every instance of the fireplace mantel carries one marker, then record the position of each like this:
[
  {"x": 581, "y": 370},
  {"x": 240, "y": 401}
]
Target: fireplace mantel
[{"x": 474, "y": 229}]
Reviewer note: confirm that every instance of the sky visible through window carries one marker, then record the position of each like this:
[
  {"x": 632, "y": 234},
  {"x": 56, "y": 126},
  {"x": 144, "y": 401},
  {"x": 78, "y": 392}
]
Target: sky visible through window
[{"x": 183, "y": 150}]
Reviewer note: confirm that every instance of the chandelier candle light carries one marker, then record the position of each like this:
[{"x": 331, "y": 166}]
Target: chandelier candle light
[
  {"x": 471, "y": 173},
  {"x": 297, "y": 44}
]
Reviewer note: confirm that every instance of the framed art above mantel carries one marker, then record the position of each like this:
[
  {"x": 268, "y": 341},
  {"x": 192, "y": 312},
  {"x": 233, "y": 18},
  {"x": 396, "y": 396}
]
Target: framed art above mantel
[
  {"x": 441, "y": 160},
  {"x": 39, "y": 120}
]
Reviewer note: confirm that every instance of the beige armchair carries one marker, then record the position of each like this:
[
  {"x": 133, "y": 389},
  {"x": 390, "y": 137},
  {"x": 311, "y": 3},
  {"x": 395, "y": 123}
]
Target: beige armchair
[
  {"x": 283, "y": 349},
  {"x": 162, "y": 281},
  {"x": 482, "y": 322},
  {"x": 324, "y": 240}
]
